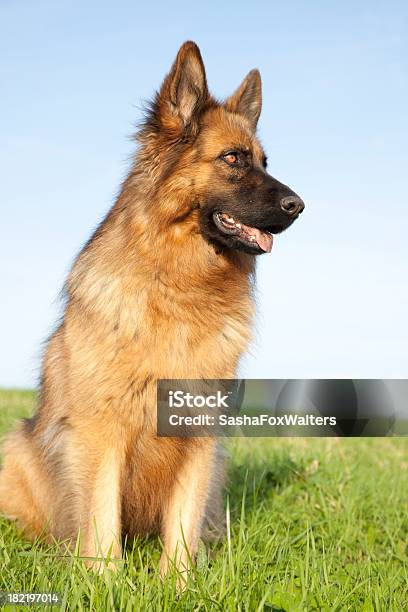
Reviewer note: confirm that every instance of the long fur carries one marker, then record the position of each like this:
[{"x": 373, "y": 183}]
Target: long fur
[{"x": 148, "y": 297}]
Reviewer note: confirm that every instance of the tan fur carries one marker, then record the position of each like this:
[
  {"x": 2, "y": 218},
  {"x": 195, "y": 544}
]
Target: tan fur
[{"x": 147, "y": 298}]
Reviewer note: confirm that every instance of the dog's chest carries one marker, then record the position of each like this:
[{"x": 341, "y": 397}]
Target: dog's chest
[
  {"x": 197, "y": 341},
  {"x": 152, "y": 336}
]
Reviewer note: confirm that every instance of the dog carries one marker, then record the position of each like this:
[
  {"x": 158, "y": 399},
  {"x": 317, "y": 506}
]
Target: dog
[{"x": 163, "y": 289}]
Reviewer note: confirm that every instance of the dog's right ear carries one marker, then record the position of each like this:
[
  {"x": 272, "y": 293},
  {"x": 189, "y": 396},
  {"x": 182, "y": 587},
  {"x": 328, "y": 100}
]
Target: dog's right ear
[
  {"x": 247, "y": 99},
  {"x": 183, "y": 92}
]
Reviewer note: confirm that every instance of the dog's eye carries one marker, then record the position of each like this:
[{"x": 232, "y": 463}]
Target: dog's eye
[{"x": 232, "y": 158}]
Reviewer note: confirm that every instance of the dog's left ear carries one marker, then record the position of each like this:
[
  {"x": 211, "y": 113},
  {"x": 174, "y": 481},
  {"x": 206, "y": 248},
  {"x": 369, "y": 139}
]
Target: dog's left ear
[
  {"x": 247, "y": 99},
  {"x": 184, "y": 90}
]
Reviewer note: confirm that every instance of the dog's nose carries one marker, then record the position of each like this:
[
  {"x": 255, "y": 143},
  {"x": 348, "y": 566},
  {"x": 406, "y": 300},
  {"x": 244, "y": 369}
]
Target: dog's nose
[{"x": 292, "y": 205}]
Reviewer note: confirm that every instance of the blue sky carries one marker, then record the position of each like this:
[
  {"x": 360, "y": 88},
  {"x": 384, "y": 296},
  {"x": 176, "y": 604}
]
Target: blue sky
[{"x": 332, "y": 296}]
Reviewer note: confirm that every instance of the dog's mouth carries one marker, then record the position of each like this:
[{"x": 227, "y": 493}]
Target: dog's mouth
[{"x": 260, "y": 240}]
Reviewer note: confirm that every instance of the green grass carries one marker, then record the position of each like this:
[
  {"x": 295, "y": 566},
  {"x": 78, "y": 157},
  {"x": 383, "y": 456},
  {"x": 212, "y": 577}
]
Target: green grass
[{"x": 314, "y": 524}]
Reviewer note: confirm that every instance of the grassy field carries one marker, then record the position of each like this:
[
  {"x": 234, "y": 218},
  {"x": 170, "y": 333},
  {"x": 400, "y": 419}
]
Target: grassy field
[{"x": 314, "y": 524}]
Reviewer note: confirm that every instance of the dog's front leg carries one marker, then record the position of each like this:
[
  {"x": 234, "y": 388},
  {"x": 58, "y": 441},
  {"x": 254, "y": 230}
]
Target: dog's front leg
[
  {"x": 184, "y": 511},
  {"x": 94, "y": 469},
  {"x": 104, "y": 529}
]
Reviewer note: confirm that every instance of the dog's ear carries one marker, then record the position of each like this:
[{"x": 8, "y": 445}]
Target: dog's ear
[
  {"x": 184, "y": 90},
  {"x": 247, "y": 99}
]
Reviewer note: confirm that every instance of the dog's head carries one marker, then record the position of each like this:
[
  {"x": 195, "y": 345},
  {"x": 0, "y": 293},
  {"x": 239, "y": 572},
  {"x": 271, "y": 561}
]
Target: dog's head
[{"x": 209, "y": 150}]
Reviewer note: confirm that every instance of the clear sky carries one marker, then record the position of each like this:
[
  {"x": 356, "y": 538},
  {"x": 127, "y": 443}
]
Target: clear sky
[{"x": 333, "y": 295}]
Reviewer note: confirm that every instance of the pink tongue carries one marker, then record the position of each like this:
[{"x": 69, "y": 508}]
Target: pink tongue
[{"x": 263, "y": 239}]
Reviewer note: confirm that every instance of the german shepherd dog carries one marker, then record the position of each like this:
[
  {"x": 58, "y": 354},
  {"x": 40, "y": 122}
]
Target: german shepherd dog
[{"x": 163, "y": 289}]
